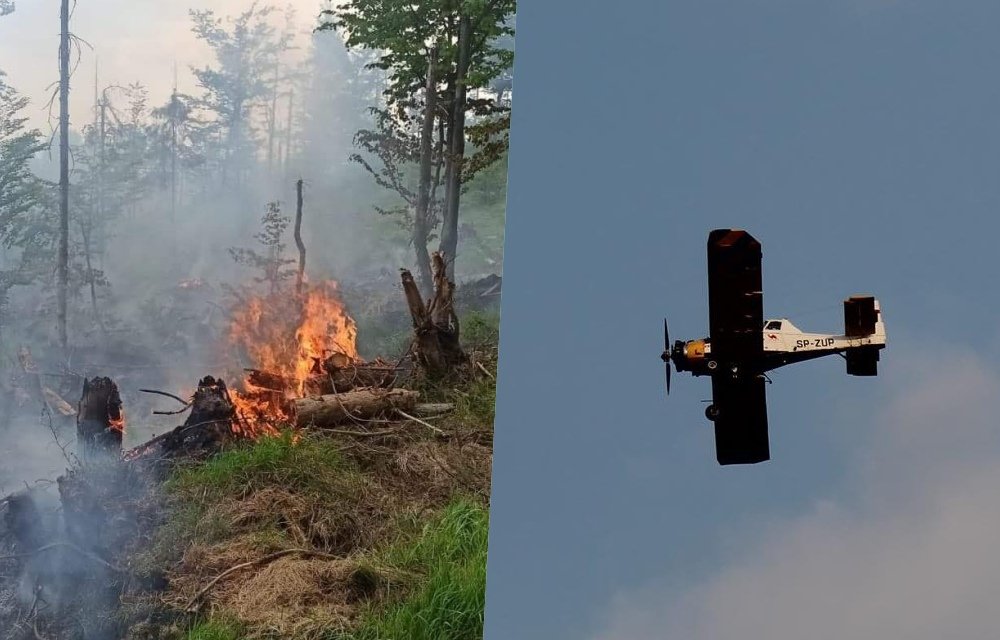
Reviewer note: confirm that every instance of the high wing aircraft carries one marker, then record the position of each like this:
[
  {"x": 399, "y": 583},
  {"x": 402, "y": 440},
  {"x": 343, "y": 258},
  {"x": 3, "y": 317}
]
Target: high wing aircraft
[{"x": 742, "y": 347}]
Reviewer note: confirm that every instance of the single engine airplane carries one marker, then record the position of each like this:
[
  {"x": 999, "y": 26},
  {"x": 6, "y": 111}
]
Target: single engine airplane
[{"x": 742, "y": 347}]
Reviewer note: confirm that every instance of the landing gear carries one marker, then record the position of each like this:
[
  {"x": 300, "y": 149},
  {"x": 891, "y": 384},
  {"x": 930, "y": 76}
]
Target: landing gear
[{"x": 712, "y": 412}]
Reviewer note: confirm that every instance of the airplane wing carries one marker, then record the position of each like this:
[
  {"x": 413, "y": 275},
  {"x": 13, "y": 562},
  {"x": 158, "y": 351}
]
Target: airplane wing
[
  {"x": 741, "y": 425},
  {"x": 735, "y": 297},
  {"x": 736, "y": 320}
]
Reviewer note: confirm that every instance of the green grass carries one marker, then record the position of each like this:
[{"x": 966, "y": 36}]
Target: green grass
[
  {"x": 302, "y": 466},
  {"x": 214, "y": 630},
  {"x": 481, "y": 329},
  {"x": 448, "y": 603}
]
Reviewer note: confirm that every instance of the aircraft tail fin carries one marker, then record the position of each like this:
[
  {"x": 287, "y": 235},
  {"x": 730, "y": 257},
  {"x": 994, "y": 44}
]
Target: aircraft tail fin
[
  {"x": 861, "y": 313},
  {"x": 863, "y": 318}
]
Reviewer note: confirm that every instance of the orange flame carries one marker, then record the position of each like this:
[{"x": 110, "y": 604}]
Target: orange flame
[
  {"x": 288, "y": 337},
  {"x": 118, "y": 424}
]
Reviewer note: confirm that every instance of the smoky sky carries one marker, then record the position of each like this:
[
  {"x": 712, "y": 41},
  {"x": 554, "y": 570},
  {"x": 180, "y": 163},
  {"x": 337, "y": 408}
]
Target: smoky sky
[{"x": 128, "y": 41}]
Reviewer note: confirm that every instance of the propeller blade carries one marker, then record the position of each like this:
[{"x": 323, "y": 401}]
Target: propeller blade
[{"x": 666, "y": 351}]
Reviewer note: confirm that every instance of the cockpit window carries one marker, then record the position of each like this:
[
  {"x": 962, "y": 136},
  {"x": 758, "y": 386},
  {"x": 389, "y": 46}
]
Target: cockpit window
[{"x": 774, "y": 325}]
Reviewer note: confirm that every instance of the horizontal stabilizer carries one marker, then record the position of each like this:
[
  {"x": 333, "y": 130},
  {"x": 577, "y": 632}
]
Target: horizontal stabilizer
[{"x": 862, "y": 361}]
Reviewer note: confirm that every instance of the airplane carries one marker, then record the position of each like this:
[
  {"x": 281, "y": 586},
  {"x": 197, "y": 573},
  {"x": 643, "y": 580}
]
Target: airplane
[{"x": 742, "y": 347}]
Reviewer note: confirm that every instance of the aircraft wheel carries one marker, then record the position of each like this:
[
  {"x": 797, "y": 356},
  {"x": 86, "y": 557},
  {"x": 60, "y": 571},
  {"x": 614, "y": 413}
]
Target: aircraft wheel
[
  {"x": 711, "y": 412},
  {"x": 712, "y": 365}
]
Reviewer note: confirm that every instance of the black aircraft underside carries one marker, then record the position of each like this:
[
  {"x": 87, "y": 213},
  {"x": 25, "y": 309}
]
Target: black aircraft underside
[{"x": 769, "y": 361}]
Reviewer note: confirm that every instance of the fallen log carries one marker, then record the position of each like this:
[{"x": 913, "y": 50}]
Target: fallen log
[
  {"x": 359, "y": 405},
  {"x": 430, "y": 409},
  {"x": 335, "y": 379}
]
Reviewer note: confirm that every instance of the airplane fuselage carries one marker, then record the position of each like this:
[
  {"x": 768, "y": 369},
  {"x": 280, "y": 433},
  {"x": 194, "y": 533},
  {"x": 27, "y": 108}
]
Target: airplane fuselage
[{"x": 783, "y": 344}]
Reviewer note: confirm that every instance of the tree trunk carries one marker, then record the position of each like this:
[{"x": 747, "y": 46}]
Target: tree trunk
[
  {"x": 288, "y": 134},
  {"x": 435, "y": 326},
  {"x": 300, "y": 275},
  {"x": 63, "y": 266},
  {"x": 421, "y": 219},
  {"x": 363, "y": 404},
  {"x": 456, "y": 153},
  {"x": 272, "y": 125},
  {"x": 100, "y": 421}
]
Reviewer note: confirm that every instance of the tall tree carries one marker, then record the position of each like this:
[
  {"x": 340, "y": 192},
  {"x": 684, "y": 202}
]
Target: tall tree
[
  {"x": 26, "y": 232},
  {"x": 463, "y": 38},
  {"x": 247, "y": 50}
]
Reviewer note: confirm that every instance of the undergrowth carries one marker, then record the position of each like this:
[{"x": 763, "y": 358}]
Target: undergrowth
[
  {"x": 450, "y": 557},
  {"x": 401, "y": 522}
]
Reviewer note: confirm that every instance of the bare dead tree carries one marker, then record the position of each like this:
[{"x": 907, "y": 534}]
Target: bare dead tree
[
  {"x": 63, "y": 266},
  {"x": 300, "y": 275}
]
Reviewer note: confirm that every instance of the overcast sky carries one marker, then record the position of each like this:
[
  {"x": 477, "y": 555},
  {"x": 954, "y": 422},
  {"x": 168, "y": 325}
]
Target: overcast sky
[
  {"x": 134, "y": 41},
  {"x": 859, "y": 141}
]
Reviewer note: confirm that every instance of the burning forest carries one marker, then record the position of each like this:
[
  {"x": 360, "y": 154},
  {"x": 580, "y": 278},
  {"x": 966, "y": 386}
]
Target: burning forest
[
  {"x": 248, "y": 320},
  {"x": 94, "y": 555}
]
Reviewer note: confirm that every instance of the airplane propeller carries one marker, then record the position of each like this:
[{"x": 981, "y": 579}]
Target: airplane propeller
[{"x": 665, "y": 356}]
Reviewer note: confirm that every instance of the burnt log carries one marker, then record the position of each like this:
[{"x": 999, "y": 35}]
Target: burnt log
[
  {"x": 362, "y": 404},
  {"x": 100, "y": 421},
  {"x": 334, "y": 378},
  {"x": 436, "y": 349}
]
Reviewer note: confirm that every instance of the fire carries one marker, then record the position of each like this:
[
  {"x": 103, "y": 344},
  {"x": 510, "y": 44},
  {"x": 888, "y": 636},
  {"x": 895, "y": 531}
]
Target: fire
[
  {"x": 288, "y": 337},
  {"x": 118, "y": 424}
]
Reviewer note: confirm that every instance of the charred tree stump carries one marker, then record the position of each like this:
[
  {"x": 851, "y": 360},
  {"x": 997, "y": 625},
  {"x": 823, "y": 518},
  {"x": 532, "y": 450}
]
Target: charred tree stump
[
  {"x": 435, "y": 325},
  {"x": 363, "y": 404},
  {"x": 100, "y": 421},
  {"x": 212, "y": 423}
]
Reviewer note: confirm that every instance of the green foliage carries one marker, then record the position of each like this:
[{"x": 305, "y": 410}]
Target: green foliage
[
  {"x": 247, "y": 50},
  {"x": 481, "y": 329},
  {"x": 20, "y": 191},
  {"x": 405, "y": 37},
  {"x": 27, "y": 222},
  {"x": 448, "y": 603},
  {"x": 271, "y": 263},
  {"x": 402, "y": 32}
]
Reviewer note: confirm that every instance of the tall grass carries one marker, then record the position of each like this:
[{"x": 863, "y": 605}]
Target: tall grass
[{"x": 449, "y": 602}]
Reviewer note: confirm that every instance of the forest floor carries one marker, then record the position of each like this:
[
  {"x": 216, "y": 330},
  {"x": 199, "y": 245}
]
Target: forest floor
[{"x": 370, "y": 532}]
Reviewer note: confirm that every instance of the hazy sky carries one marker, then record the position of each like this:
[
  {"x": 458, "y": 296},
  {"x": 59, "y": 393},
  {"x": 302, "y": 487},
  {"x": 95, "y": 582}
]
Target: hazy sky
[
  {"x": 859, "y": 141},
  {"x": 134, "y": 41}
]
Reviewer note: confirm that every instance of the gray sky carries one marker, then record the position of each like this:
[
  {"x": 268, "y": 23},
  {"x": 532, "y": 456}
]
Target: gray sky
[
  {"x": 133, "y": 42},
  {"x": 859, "y": 140}
]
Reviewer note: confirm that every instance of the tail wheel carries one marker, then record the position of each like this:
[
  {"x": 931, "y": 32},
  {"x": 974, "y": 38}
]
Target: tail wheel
[{"x": 712, "y": 412}]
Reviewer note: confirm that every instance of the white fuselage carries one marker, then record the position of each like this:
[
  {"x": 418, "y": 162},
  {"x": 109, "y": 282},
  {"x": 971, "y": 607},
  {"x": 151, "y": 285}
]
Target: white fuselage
[{"x": 781, "y": 335}]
